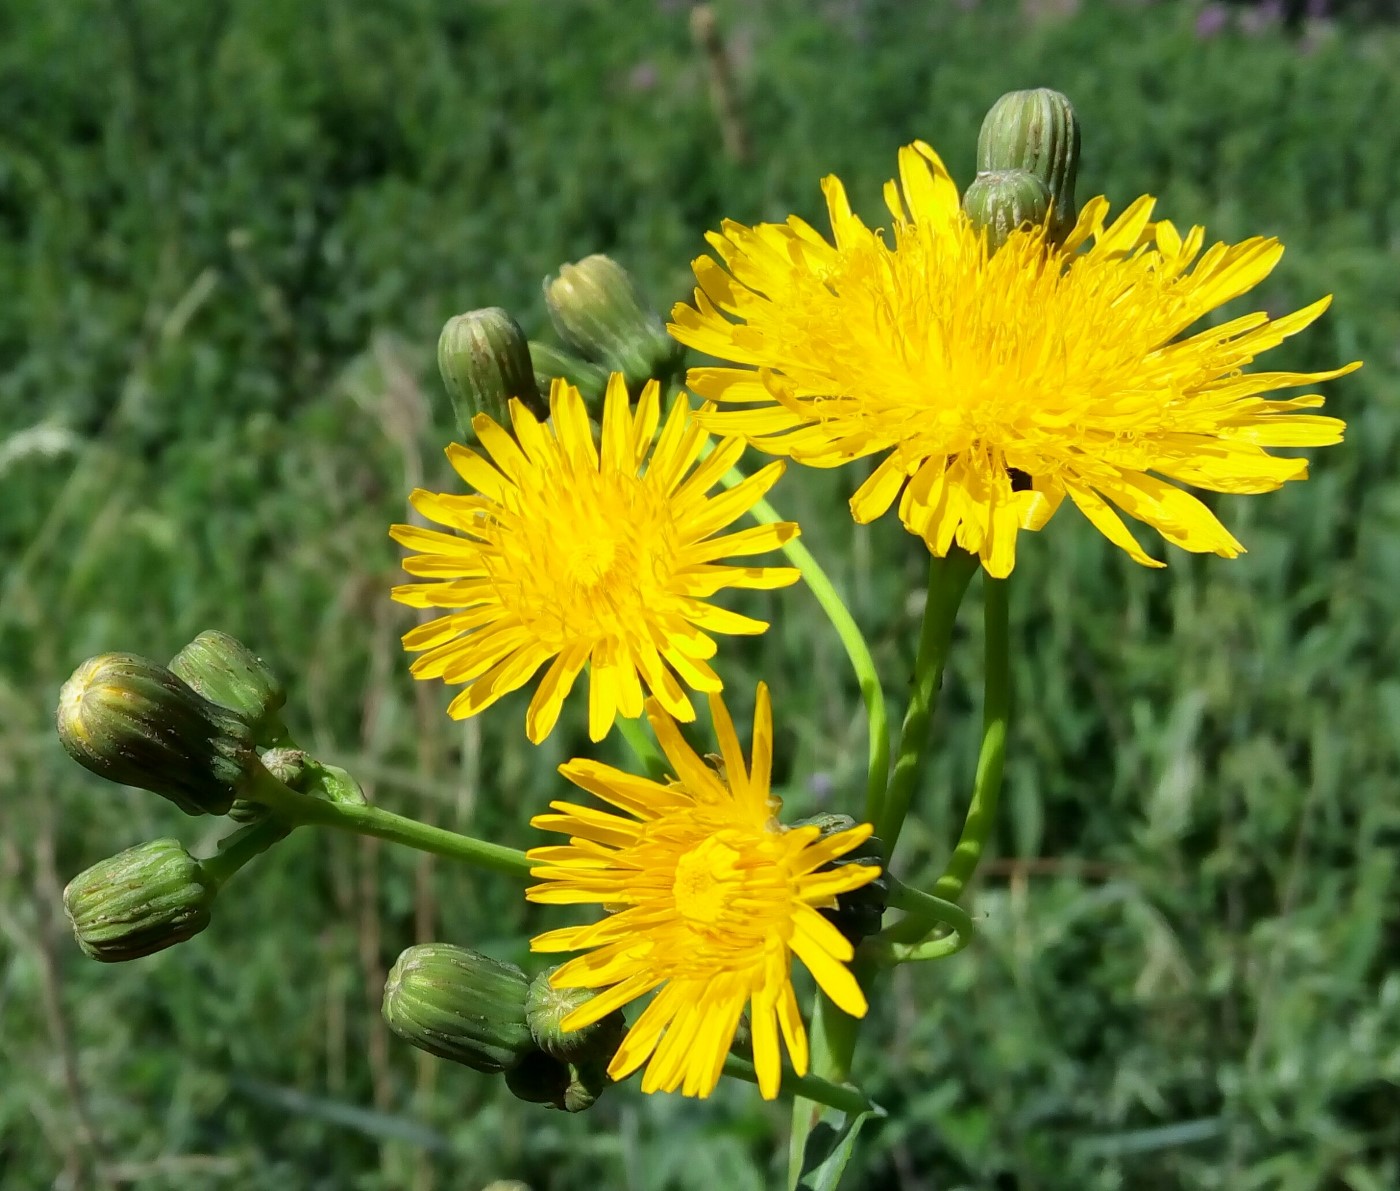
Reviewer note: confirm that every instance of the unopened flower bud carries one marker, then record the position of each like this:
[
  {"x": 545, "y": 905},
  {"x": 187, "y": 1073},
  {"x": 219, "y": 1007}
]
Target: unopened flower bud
[
  {"x": 460, "y": 1005},
  {"x": 485, "y": 361},
  {"x": 1003, "y": 201},
  {"x": 591, "y": 380},
  {"x": 140, "y": 901},
  {"x": 289, "y": 766},
  {"x": 597, "y": 311},
  {"x": 1036, "y": 131},
  {"x": 587, "y": 1081},
  {"x": 227, "y": 672},
  {"x": 541, "y": 1079},
  {"x": 858, "y": 912},
  {"x": 132, "y": 721},
  {"x": 547, "y": 1006}
]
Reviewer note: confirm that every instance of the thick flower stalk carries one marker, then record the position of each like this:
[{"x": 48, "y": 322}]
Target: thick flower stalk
[
  {"x": 571, "y": 554},
  {"x": 709, "y": 898},
  {"x": 994, "y": 383}
]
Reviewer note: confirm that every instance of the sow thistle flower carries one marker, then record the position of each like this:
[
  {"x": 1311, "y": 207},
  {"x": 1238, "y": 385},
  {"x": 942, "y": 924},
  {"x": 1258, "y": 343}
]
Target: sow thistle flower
[
  {"x": 995, "y": 383},
  {"x": 567, "y": 552},
  {"x": 709, "y": 897}
]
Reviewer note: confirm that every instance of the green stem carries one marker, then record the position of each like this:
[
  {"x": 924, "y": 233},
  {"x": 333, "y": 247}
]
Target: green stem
[
  {"x": 640, "y": 742},
  {"x": 996, "y": 713},
  {"x": 239, "y": 848},
  {"x": 842, "y": 1097},
  {"x": 986, "y": 785},
  {"x": 930, "y": 912},
  {"x": 929, "y": 905},
  {"x": 365, "y": 819},
  {"x": 857, "y": 650},
  {"x": 834, "y": 1034},
  {"x": 891, "y": 954},
  {"x": 833, "y": 1041},
  {"x": 947, "y": 581}
]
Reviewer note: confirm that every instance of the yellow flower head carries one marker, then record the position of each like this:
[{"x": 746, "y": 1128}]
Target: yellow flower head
[
  {"x": 576, "y": 554},
  {"x": 709, "y": 898},
  {"x": 995, "y": 384}
]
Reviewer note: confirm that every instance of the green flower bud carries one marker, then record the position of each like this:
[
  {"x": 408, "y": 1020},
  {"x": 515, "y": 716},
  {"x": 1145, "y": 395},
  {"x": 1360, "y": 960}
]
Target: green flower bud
[
  {"x": 1039, "y": 132},
  {"x": 459, "y": 1005},
  {"x": 591, "y": 380},
  {"x": 132, "y": 721},
  {"x": 246, "y": 811},
  {"x": 1003, "y": 201},
  {"x": 858, "y": 912},
  {"x": 546, "y": 1007},
  {"x": 140, "y": 901},
  {"x": 289, "y": 766},
  {"x": 541, "y": 1079},
  {"x": 227, "y": 672},
  {"x": 485, "y": 361},
  {"x": 597, "y": 312},
  {"x": 587, "y": 1081}
]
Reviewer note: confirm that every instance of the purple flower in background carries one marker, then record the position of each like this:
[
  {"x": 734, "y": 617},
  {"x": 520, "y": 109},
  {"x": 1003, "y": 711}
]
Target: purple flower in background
[
  {"x": 642, "y": 77},
  {"x": 1211, "y": 21},
  {"x": 1262, "y": 17},
  {"x": 822, "y": 784}
]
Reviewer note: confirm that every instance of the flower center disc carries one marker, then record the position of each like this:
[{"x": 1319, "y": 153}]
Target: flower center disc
[{"x": 706, "y": 879}]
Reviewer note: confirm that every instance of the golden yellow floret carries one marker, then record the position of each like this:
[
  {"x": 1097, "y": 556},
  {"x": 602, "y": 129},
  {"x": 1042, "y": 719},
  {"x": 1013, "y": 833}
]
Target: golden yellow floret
[
  {"x": 708, "y": 896},
  {"x": 994, "y": 384},
  {"x": 571, "y": 554}
]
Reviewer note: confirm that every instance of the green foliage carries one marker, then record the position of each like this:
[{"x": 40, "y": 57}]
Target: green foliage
[{"x": 229, "y": 235}]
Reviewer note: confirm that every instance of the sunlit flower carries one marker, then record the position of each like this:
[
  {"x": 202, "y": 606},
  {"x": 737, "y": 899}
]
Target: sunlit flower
[
  {"x": 994, "y": 386},
  {"x": 709, "y": 897},
  {"x": 569, "y": 553}
]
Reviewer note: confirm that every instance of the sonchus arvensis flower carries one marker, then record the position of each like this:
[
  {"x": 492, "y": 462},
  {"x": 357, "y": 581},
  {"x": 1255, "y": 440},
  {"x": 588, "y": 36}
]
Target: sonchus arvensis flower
[
  {"x": 992, "y": 384},
  {"x": 709, "y": 898},
  {"x": 573, "y": 554}
]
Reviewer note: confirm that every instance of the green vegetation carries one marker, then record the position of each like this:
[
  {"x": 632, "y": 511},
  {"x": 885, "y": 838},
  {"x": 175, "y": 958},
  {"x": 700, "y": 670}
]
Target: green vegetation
[{"x": 229, "y": 235}]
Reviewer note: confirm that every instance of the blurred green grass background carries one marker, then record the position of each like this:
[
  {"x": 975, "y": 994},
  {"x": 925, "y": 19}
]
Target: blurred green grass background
[{"x": 229, "y": 233}]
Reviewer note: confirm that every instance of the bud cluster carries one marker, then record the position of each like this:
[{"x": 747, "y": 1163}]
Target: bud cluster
[
  {"x": 485, "y": 359},
  {"x": 191, "y": 732},
  {"x": 488, "y": 1015},
  {"x": 1028, "y": 137},
  {"x": 134, "y": 722}
]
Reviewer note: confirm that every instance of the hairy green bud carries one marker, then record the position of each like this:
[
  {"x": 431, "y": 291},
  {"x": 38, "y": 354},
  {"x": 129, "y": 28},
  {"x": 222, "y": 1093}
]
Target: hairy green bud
[
  {"x": 1036, "y": 131},
  {"x": 858, "y": 912},
  {"x": 139, "y": 902},
  {"x": 547, "y": 1006},
  {"x": 1003, "y": 201},
  {"x": 132, "y": 721},
  {"x": 460, "y": 1005},
  {"x": 597, "y": 311},
  {"x": 227, "y": 672},
  {"x": 485, "y": 361},
  {"x": 542, "y": 1079}
]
